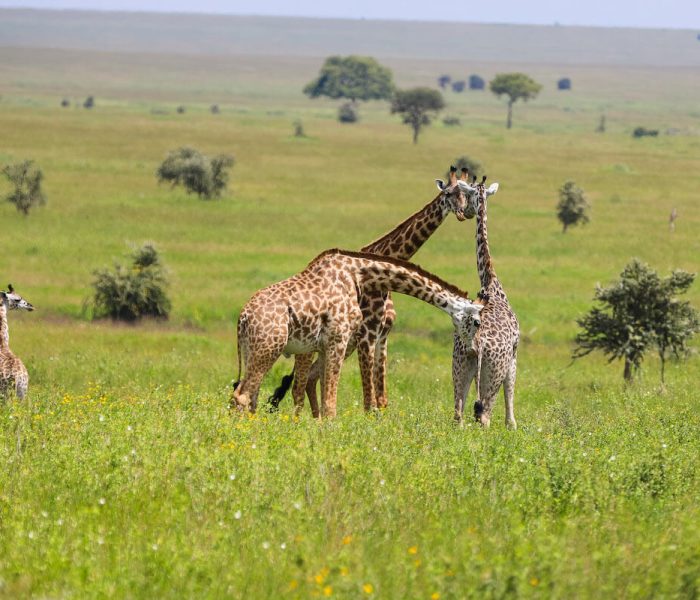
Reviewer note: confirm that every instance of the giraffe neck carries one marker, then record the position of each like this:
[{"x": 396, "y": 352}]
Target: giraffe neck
[
  {"x": 4, "y": 331},
  {"x": 484, "y": 264},
  {"x": 406, "y": 238},
  {"x": 394, "y": 275}
]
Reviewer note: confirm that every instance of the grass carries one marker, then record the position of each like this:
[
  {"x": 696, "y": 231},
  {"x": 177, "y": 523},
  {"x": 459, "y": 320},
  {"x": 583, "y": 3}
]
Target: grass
[{"x": 125, "y": 476}]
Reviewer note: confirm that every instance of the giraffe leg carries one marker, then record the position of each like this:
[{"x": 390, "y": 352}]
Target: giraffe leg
[
  {"x": 311, "y": 385},
  {"x": 245, "y": 396},
  {"x": 332, "y": 363},
  {"x": 302, "y": 366},
  {"x": 380, "y": 372},
  {"x": 509, "y": 392},
  {"x": 463, "y": 372},
  {"x": 488, "y": 381},
  {"x": 365, "y": 354},
  {"x": 380, "y": 353}
]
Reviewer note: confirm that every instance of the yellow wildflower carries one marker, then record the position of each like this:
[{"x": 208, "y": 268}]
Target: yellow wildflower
[
  {"x": 413, "y": 550},
  {"x": 534, "y": 581},
  {"x": 328, "y": 590},
  {"x": 347, "y": 539},
  {"x": 293, "y": 584},
  {"x": 435, "y": 596},
  {"x": 367, "y": 588}
]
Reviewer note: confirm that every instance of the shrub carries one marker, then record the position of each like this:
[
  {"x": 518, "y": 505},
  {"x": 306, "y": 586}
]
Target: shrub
[
  {"x": 65, "y": 103},
  {"x": 443, "y": 81},
  {"x": 26, "y": 181},
  {"x": 564, "y": 84},
  {"x": 347, "y": 113},
  {"x": 573, "y": 206},
  {"x": 214, "y": 108},
  {"x": 451, "y": 121},
  {"x": 197, "y": 173},
  {"x": 476, "y": 82},
  {"x": 89, "y": 102},
  {"x": 180, "y": 110},
  {"x": 299, "y": 128},
  {"x": 643, "y": 131},
  {"x": 128, "y": 294},
  {"x": 458, "y": 86}
]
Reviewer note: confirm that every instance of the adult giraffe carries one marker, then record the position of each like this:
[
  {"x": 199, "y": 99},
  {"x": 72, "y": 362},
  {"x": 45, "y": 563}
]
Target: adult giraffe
[{"x": 492, "y": 357}]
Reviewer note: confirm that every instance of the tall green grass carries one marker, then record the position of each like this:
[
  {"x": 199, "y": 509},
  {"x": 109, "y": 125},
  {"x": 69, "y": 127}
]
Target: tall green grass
[{"x": 124, "y": 475}]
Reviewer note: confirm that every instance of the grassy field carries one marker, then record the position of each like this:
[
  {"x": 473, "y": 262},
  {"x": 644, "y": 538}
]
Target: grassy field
[{"x": 124, "y": 475}]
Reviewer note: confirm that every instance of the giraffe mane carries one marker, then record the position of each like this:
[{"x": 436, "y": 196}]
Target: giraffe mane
[
  {"x": 392, "y": 233},
  {"x": 399, "y": 263}
]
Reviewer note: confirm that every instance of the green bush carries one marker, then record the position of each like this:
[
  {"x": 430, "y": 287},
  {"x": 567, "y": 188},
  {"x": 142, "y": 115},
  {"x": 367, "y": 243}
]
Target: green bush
[
  {"x": 130, "y": 293},
  {"x": 643, "y": 132},
  {"x": 573, "y": 206},
  {"x": 197, "y": 173},
  {"x": 347, "y": 113},
  {"x": 25, "y": 179}
]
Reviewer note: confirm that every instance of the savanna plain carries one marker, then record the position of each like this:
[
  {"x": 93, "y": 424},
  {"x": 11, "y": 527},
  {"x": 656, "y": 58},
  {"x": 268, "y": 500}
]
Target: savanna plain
[{"x": 123, "y": 475}]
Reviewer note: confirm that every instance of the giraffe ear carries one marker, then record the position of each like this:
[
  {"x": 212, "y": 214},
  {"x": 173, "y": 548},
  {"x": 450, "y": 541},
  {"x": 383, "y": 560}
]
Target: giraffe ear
[
  {"x": 493, "y": 188},
  {"x": 440, "y": 184}
]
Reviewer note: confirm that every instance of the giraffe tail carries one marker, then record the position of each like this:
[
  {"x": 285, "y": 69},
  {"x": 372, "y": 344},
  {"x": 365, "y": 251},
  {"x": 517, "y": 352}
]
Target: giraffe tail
[{"x": 280, "y": 391}]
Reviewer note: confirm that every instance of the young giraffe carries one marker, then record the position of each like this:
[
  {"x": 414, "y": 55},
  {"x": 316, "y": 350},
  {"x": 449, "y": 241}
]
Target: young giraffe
[
  {"x": 492, "y": 358},
  {"x": 377, "y": 308},
  {"x": 318, "y": 310},
  {"x": 13, "y": 373}
]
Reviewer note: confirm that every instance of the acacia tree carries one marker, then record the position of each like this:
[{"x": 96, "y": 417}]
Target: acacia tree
[
  {"x": 417, "y": 106},
  {"x": 25, "y": 179},
  {"x": 639, "y": 312},
  {"x": 353, "y": 78},
  {"x": 516, "y": 86},
  {"x": 573, "y": 206}
]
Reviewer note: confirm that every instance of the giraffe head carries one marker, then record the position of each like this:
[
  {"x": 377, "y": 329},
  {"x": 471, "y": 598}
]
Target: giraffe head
[
  {"x": 457, "y": 192},
  {"x": 467, "y": 320},
  {"x": 480, "y": 195},
  {"x": 14, "y": 301}
]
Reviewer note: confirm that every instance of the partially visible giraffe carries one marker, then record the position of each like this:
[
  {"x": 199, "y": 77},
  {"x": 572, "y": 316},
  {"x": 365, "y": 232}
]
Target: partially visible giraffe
[
  {"x": 377, "y": 308},
  {"x": 318, "y": 310},
  {"x": 492, "y": 357},
  {"x": 13, "y": 373}
]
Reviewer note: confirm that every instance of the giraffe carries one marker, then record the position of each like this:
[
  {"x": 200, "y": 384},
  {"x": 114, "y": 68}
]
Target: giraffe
[
  {"x": 13, "y": 373},
  {"x": 318, "y": 310},
  {"x": 492, "y": 357},
  {"x": 377, "y": 308}
]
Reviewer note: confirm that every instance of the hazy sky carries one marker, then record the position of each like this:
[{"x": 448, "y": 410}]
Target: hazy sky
[{"x": 628, "y": 13}]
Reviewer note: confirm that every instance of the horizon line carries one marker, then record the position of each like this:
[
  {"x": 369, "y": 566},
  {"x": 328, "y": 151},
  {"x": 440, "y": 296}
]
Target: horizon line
[{"x": 184, "y": 12}]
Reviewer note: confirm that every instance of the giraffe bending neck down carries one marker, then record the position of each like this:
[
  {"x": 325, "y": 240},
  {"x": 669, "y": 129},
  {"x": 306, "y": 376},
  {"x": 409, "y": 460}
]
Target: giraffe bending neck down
[
  {"x": 13, "y": 374},
  {"x": 318, "y": 310},
  {"x": 492, "y": 357},
  {"x": 377, "y": 308}
]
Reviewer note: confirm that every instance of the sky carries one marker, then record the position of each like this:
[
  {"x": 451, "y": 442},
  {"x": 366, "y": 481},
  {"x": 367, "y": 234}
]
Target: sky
[{"x": 675, "y": 14}]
